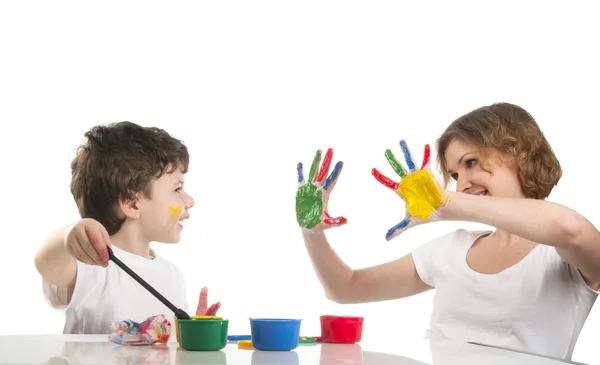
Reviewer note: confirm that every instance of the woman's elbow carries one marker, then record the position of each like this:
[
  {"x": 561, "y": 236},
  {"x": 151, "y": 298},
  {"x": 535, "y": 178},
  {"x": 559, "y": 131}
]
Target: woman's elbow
[
  {"x": 575, "y": 229},
  {"x": 342, "y": 295},
  {"x": 336, "y": 297}
]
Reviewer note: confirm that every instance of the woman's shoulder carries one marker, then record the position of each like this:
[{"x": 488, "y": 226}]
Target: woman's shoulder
[{"x": 460, "y": 236}]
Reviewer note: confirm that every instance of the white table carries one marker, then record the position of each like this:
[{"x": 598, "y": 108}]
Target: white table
[{"x": 88, "y": 349}]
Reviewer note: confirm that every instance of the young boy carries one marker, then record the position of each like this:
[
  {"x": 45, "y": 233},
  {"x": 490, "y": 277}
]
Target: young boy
[{"x": 128, "y": 184}]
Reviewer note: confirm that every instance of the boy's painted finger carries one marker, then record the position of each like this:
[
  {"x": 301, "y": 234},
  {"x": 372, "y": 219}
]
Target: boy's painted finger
[
  {"x": 202, "y": 302},
  {"x": 89, "y": 249},
  {"x": 104, "y": 252},
  {"x": 212, "y": 310},
  {"x": 80, "y": 253},
  {"x": 97, "y": 240}
]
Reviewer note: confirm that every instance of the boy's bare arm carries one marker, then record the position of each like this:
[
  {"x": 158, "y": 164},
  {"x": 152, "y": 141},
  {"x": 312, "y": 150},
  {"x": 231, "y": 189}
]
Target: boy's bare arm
[
  {"x": 54, "y": 262},
  {"x": 85, "y": 240}
]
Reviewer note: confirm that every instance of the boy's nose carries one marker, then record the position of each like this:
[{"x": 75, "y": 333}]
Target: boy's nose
[{"x": 189, "y": 203}]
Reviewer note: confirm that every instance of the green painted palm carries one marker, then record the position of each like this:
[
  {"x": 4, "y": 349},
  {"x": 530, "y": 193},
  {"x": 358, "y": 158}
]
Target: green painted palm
[{"x": 313, "y": 195}]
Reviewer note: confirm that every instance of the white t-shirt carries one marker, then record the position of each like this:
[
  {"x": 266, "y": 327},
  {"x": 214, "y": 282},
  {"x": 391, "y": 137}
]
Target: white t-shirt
[
  {"x": 106, "y": 295},
  {"x": 538, "y": 305}
]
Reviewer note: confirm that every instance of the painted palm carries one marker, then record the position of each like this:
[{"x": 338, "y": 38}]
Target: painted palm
[
  {"x": 312, "y": 196},
  {"x": 417, "y": 187}
]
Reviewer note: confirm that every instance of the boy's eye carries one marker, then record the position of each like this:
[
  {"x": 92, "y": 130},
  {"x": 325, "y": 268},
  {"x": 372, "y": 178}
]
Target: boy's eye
[
  {"x": 454, "y": 176},
  {"x": 471, "y": 162},
  {"x": 178, "y": 189}
]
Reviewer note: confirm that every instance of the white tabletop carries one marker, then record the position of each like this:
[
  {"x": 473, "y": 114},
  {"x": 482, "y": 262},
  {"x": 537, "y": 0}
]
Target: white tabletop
[{"x": 88, "y": 349}]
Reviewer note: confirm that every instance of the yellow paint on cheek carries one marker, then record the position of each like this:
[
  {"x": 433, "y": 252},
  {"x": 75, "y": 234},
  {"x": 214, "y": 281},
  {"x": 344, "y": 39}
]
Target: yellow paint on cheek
[
  {"x": 174, "y": 210},
  {"x": 421, "y": 194}
]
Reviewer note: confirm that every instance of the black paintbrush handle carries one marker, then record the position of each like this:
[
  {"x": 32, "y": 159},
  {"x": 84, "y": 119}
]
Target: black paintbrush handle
[{"x": 179, "y": 313}]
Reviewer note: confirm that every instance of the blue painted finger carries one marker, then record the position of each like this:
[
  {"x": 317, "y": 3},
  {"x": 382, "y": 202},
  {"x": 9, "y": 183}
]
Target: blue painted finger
[
  {"x": 300, "y": 174},
  {"x": 334, "y": 175},
  {"x": 395, "y": 230},
  {"x": 407, "y": 156}
]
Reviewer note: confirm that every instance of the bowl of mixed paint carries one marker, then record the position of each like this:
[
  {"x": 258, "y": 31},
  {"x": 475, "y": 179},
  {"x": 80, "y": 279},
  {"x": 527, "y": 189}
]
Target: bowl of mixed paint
[
  {"x": 202, "y": 333},
  {"x": 341, "y": 329},
  {"x": 275, "y": 334},
  {"x": 192, "y": 317}
]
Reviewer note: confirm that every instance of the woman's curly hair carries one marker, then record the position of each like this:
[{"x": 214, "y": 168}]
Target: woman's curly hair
[{"x": 511, "y": 131}]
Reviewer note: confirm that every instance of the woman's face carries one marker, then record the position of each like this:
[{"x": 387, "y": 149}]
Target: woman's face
[{"x": 463, "y": 164}]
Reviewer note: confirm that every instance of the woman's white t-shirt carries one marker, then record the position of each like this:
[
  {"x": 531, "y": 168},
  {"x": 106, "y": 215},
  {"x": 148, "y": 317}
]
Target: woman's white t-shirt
[
  {"x": 538, "y": 305},
  {"x": 106, "y": 295}
]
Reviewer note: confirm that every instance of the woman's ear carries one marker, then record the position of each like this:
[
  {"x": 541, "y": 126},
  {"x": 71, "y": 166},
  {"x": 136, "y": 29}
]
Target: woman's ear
[{"x": 509, "y": 161}]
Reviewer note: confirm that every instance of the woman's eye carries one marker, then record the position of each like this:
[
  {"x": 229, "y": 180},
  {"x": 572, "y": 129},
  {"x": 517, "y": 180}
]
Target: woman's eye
[
  {"x": 470, "y": 163},
  {"x": 454, "y": 176}
]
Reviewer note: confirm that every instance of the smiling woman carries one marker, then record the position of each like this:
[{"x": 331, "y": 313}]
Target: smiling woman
[
  {"x": 497, "y": 135},
  {"x": 529, "y": 284}
]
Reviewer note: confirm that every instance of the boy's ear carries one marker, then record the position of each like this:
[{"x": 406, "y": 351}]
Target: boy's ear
[{"x": 130, "y": 207}]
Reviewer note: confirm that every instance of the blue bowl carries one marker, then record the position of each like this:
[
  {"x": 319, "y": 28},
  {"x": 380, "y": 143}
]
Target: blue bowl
[{"x": 274, "y": 334}]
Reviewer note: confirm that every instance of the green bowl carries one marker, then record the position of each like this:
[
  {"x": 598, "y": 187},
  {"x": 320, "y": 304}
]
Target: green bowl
[{"x": 202, "y": 334}]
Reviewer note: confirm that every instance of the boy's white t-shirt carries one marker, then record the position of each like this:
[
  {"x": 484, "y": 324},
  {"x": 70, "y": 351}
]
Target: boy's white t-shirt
[
  {"x": 103, "y": 296},
  {"x": 538, "y": 305}
]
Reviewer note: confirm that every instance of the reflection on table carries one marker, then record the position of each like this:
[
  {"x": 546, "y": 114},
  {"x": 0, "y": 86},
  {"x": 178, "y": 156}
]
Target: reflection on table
[{"x": 80, "y": 349}]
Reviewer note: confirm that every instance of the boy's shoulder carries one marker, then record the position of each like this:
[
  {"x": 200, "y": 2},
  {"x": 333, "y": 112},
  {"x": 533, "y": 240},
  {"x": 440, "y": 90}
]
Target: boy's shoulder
[
  {"x": 164, "y": 262},
  {"x": 156, "y": 265}
]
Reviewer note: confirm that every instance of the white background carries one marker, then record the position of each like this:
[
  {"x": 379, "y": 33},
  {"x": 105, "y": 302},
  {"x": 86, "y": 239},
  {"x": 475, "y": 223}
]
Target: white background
[{"x": 255, "y": 87}]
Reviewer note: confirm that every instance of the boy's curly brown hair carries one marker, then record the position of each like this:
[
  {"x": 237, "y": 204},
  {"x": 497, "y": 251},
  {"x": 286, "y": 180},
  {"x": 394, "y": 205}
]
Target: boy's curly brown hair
[
  {"x": 118, "y": 161},
  {"x": 511, "y": 131}
]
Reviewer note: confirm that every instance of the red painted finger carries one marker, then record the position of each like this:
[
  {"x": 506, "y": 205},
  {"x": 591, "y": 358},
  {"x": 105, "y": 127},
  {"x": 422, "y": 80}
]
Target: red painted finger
[
  {"x": 384, "y": 180},
  {"x": 96, "y": 244},
  {"x": 212, "y": 310},
  {"x": 334, "y": 221},
  {"x": 325, "y": 166},
  {"x": 426, "y": 156}
]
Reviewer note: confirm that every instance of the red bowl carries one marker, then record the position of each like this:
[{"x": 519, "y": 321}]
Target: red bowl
[{"x": 341, "y": 329}]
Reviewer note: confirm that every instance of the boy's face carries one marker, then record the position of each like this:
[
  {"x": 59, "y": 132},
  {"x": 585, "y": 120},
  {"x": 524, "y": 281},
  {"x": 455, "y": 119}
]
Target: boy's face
[{"x": 161, "y": 215}]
